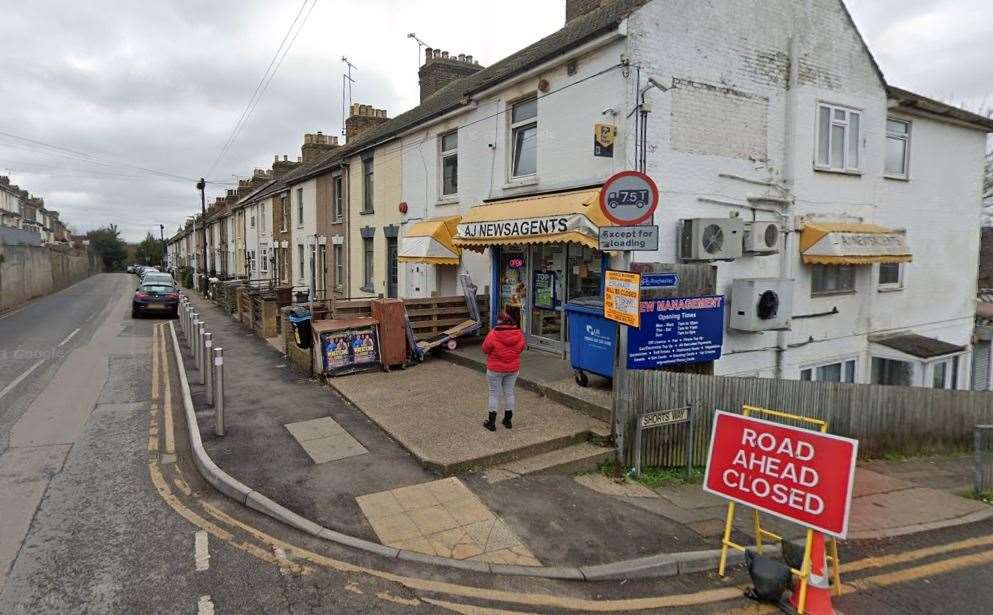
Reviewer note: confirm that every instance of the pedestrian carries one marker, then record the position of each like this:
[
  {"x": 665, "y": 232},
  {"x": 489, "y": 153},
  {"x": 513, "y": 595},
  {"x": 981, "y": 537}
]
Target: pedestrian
[{"x": 503, "y": 346}]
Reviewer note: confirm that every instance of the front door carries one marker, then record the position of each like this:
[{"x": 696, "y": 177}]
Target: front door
[
  {"x": 545, "y": 322},
  {"x": 391, "y": 267}
]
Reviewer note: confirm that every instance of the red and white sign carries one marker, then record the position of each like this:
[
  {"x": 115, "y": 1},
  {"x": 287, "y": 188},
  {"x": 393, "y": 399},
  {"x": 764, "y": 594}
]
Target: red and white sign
[
  {"x": 800, "y": 475},
  {"x": 628, "y": 198}
]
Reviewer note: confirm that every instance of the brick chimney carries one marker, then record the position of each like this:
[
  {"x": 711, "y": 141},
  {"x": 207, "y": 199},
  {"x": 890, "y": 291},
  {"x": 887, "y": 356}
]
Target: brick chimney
[
  {"x": 578, "y": 8},
  {"x": 361, "y": 119},
  {"x": 317, "y": 145},
  {"x": 440, "y": 69},
  {"x": 282, "y": 167}
]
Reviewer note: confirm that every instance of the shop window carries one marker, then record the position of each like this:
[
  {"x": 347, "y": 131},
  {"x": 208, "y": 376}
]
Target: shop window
[
  {"x": 892, "y": 372},
  {"x": 832, "y": 279},
  {"x": 841, "y": 371},
  {"x": 839, "y": 138},
  {"x": 524, "y": 138},
  {"x": 897, "y": 148},
  {"x": 890, "y": 276},
  {"x": 367, "y": 186},
  {"x": 368, "y": 264},
  {"x": 450, "y": 164}
]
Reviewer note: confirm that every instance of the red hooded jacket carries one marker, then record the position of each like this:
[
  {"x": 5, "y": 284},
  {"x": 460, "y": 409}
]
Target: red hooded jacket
[{"x": 503, "y": 346}]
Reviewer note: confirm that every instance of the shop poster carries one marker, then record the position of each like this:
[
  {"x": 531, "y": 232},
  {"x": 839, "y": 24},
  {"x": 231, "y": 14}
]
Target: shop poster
[
  {"x": 349, "y": 350},
  {"x": 544, "y": 289}
]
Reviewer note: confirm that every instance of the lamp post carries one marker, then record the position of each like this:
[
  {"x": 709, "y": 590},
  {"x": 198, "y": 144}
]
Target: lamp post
[
  {"x": 165, "y": 265},
  {"x": 203, "y": 218}
]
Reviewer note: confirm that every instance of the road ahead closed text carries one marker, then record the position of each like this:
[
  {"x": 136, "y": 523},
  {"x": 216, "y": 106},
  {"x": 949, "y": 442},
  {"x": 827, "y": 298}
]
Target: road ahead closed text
[{"x": 794, "y": 473}]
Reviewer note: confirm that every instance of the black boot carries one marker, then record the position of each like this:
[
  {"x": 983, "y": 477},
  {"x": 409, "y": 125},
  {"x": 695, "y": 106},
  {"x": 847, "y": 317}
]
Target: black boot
[
  {"x": 490, "y": 423},
  {"x": 507, "y": 415}
]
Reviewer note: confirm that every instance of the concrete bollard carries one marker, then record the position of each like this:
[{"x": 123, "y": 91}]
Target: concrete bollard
[
  {"x": 218, "y": 391},
  {"x": 202, "y": 364},
  {"x": 208, "y": 351},
  {"x": 194, "y": 319}
]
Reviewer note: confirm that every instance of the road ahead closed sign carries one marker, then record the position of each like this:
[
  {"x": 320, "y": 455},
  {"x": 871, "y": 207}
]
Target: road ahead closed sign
[{"x": 797, "y": 474}]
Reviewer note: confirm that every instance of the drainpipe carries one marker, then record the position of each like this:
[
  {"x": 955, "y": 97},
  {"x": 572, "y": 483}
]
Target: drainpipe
[{"x": 786, "y": 257}]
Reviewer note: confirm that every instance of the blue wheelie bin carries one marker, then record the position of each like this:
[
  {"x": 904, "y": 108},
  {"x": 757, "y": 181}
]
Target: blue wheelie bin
[{"x": 592, "y": 339}]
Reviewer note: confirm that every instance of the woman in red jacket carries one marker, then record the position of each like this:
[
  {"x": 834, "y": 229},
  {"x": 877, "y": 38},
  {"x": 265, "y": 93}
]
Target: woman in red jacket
[{"x": 503, "y": 346}]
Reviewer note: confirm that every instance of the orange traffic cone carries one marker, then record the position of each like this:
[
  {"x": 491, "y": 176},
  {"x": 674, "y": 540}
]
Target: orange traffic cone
[{"x": 818, "y": 600}]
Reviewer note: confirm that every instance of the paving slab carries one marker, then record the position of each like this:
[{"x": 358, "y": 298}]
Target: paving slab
[{"x": 435, "y": 411}]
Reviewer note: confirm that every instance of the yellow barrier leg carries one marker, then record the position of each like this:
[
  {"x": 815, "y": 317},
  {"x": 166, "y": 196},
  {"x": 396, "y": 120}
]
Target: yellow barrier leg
[
  {"x": 758, "y": 530},
  {"x": 727, "y": 539},
  {"x": 835, "y": 567},
  {"x": 805, "y": 573}
]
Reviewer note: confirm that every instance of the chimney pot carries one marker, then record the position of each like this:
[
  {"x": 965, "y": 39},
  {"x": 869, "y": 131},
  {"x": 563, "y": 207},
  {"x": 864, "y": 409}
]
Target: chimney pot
[
  {"x": 427, "y": 54},
  {"x": 468, "y": 58},
  {"x": 444, "y": 54},
  {"x": 461, "y": 57},
  {"x": 286, "y": 158}
]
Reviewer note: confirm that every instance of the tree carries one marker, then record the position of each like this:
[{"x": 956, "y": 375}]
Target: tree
[
  {"x": 107, "y": 243},
  {"x": 149, "y": 251}
]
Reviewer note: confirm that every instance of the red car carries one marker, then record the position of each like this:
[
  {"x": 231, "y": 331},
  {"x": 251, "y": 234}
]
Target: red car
[{"x": 155, "y": 297}]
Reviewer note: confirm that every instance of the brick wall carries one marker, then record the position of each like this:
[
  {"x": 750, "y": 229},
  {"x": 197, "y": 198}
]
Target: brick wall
[{"x": 718, "y": 121}]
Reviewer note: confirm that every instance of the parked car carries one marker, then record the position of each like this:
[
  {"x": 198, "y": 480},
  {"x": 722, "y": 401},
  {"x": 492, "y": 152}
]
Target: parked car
[
  {"x": 157, "y": 277},
  {"x": 156, "y": 298},
  {"x": 144, "y": 271}
]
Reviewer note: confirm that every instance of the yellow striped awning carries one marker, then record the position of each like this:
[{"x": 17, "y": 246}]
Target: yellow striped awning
[
  {"x": 562, "y": 217},
  {"x": 429, "y": 242},
  {"x": 835, "y": 243}
]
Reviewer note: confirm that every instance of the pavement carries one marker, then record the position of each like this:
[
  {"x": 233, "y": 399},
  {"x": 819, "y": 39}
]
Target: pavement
[{"x": 380, "y": 491}]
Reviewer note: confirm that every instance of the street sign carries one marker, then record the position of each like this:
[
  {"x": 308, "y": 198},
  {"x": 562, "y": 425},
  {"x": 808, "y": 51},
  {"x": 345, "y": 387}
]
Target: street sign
[
  {"x": 664, "y": 417},
  {"x": 621, "y": 294},
  {"x": 631, "y": 238},
  {"x": 651, "y": 281},
  {"x": 677, "y": 330},
  {"x": 793, "y": 473},
  {"x": 628, "y": 198}
]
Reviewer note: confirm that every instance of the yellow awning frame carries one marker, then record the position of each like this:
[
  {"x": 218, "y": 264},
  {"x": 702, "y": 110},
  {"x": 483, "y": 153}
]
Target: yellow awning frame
[
  {"x": 429, "y": 260},
  {"x": 575, "y": 204},
  {"x": 439, "y": 230},
  {"x": 815, "y": 232}
]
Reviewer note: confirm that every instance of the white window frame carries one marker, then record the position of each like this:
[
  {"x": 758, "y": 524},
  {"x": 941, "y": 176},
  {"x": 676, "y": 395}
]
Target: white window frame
[
  {"x": 839, "y": 291},
  {"x": 845, "y": 123},
  {"x": 299, "y": 207},
  {"x": 368, "y": 264},
  {"x": 889, "y": 286},
  {"x": 338, "y": 251},
  {"x": 843, "y": 362},
  {"x": 300, "y": 254},
  {"x": 443, "y": 156},
  {"x": 905, "y": 137},
  {"x": 338, "y": 186},
  {"x": 251, "y": 220},
  {"x": 264, "y": 263},
  {"x": 283, "y": 206},
  {"x": 513, "y": 127},
  {"x": 953, "y": 368}
]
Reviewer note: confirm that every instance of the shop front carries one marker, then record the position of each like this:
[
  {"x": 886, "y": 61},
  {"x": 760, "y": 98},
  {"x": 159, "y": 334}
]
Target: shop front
[{"x": 543, "y": 254}]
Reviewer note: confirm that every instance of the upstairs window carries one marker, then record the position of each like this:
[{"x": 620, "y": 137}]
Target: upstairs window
[
  {"x": 339, "y": 199},
  {"x": 283, "y": 209},
  {"x": 450, "y": 164},
  {"x": 367, "y": 186},
  {"x": 524, "y": 138},
  {"x": 299, "y": 206},
  {"x": 839, "y": 138},
  {"x": 897, "y": 148}
]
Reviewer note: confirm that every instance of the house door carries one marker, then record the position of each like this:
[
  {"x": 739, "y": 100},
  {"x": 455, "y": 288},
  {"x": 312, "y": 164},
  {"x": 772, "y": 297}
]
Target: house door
[{"x": 391, "y": 267}]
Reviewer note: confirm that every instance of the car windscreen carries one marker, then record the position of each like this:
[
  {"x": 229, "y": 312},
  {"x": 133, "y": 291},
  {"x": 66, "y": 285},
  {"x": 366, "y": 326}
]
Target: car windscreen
[
  {"x": 159, "y": 278},
  {"x": 157, "y": 288}
]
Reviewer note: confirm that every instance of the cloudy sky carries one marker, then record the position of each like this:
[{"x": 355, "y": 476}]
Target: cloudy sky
[{"x": 141, "y": 97}]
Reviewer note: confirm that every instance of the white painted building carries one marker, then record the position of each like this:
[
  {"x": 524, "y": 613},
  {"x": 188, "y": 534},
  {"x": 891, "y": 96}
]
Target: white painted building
[{"x": 768, "y": 111}]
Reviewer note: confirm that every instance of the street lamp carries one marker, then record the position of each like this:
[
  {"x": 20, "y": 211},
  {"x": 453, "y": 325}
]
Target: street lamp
[{"x": 203, "y": 219}]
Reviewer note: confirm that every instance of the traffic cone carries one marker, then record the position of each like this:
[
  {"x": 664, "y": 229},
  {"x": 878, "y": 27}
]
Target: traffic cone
[{"x": 818, "y": 589}]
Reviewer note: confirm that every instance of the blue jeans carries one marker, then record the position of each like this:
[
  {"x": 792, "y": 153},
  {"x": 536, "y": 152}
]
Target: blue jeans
[{"x": 501, "y": 381}]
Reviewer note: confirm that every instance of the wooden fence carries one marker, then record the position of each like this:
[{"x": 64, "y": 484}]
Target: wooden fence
[
  {"x": 427, "y": 316},
  {"x": 887, "y": 420}
]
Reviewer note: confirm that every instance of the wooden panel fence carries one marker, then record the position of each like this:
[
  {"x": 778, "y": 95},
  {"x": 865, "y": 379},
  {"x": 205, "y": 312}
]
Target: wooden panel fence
[
  {"x": 887, "y": 420},
  {"x": 427, "y": 316}
]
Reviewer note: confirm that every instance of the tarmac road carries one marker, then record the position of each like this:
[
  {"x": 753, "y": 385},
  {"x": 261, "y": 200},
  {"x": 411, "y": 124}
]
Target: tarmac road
[{"x": 102, "y": 511}]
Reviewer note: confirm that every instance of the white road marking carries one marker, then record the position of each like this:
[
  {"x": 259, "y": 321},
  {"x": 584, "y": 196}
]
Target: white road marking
[
  {"x": 17, "y": 381},
  {"x": 205, "y": 606},
  {"x": 68, "y": 337},
  {"x": 201, "y": 553}
]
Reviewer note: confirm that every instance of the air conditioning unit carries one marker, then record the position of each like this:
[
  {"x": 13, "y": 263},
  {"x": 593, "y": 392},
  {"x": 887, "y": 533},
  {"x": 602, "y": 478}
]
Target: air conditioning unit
[
  {"x": 710, "y": 239},
  {"x": 763, "y": 238},
  {"x": 761, "y": 304}
]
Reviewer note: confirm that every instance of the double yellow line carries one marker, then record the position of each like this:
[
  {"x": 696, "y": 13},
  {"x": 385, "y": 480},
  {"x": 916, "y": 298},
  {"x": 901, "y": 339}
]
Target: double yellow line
[{"x": 224, "y": 527}]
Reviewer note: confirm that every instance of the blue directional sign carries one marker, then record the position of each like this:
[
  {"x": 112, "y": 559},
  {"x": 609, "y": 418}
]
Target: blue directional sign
[
  {"x": 659, "y": 280},
  {"x": 677, "y": 330}
]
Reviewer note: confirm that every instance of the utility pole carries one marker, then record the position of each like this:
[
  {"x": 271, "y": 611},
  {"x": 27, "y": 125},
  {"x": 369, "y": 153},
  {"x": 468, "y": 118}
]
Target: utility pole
[{"x": 203, "y": 220}]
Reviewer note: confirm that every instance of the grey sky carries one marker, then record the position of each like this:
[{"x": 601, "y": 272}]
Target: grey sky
[{"x": 161, "y": 84}]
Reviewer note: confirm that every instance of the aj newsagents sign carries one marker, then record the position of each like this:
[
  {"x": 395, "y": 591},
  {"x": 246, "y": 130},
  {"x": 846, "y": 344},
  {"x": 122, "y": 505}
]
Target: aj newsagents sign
[
  {"x": 677, "y": 330},
  {"x": 797, "y": 474}
]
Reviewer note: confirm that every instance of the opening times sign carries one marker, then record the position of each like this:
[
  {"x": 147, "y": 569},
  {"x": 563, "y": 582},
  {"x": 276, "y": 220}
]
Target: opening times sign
[
  {"x": 677, "y": 330},
  {"x": 797, "y": 474}
]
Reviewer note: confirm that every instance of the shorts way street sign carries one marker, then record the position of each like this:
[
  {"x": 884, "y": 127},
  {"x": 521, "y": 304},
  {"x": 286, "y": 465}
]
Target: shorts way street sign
[{"x": 793, "y": 473}]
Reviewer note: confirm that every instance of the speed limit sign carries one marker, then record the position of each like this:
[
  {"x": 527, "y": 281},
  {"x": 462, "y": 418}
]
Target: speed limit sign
[{"x": 629, "y": 197}]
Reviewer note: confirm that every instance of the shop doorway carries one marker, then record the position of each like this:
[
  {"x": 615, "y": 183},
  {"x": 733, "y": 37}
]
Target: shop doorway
[{"x": 537, "y": 281}]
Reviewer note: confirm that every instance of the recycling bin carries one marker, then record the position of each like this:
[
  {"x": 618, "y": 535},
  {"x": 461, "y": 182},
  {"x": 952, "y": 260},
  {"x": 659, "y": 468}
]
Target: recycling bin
[
  {"x": 592, "y": 339},
  {"x": 300, "y": 323}
]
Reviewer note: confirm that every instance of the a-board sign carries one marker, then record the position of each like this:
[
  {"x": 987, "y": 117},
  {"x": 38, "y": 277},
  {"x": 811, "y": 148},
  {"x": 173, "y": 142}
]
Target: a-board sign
[
  {"x": 621, "y": 297},
  {"x": 677, "y": 330},
  {"x": 793, "y": 473},
  {"x": 641, "y": 238},
  {"x": 628, "y": 198},
  {"x": 664, "y": 417}
]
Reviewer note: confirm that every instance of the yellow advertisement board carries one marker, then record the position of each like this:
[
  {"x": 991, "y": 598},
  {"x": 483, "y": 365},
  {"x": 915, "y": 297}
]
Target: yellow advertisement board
[{"x": 622, "y": 297}]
